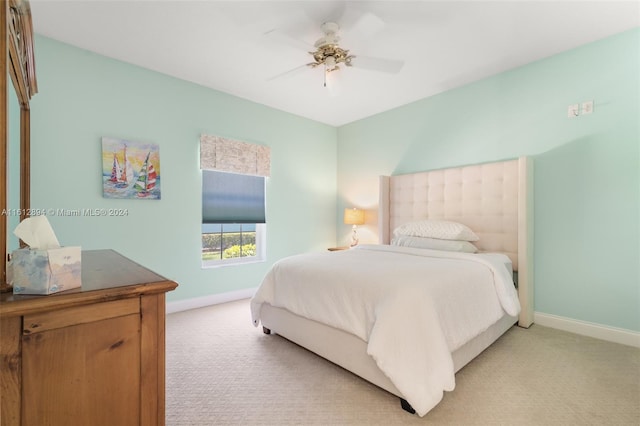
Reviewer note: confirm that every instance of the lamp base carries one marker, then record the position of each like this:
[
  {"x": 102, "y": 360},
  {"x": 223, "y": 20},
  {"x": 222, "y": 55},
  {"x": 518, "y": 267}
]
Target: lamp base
[{"x": 354, "y": 237}]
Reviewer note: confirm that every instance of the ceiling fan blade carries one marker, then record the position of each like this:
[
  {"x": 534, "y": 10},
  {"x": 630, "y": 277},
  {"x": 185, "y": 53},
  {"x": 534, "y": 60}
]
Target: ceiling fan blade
[
  {"x": 390, "y": 66},
  {"x": 277, "y": 36},
  {"x": 289, "y": 73},
  {"x": 296, "y": 31}
]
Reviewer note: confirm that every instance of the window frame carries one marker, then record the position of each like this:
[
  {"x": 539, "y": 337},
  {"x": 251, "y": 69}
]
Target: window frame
[{"x": 261, "y": 251}]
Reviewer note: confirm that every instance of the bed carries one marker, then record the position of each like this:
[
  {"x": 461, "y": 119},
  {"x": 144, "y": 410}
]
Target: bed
[{"x": 414, "y": 351}]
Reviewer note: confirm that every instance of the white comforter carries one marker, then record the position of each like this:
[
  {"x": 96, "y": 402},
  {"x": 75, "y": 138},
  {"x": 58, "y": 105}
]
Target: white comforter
[{"x": 413, "y": 307}]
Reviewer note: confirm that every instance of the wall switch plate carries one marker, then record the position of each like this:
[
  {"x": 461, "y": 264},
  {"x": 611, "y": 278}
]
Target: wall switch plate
[
  {"x": 573, "y": 111},
  {"x": 587, "y": 107}
]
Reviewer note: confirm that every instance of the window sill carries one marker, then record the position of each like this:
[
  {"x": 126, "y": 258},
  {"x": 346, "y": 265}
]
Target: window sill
[{"x": 212, "y": 264}]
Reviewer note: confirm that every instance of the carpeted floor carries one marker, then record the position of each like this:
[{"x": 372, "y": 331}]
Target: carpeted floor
[{"x": 223, "y": 371}]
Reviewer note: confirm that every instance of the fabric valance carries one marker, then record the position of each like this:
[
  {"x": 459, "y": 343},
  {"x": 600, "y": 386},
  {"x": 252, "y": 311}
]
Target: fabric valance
[{"x": 232, "y": 156}]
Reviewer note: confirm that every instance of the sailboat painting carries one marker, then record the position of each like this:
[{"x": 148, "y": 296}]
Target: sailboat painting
[{"x": 130, "y": 169}]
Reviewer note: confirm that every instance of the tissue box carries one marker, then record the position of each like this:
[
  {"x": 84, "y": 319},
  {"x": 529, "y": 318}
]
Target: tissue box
[{"x": 45, "y": 271}]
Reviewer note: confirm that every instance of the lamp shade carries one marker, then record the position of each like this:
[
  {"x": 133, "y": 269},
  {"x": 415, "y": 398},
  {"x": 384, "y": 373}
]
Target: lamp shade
[{"x": 353, "y": 216}]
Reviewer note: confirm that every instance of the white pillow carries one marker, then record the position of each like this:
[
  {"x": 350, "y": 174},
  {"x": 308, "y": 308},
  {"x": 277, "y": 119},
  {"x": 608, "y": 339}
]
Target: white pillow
[
  {"x": 440, "y": 229},
  {"x": 434, "y": 244}
]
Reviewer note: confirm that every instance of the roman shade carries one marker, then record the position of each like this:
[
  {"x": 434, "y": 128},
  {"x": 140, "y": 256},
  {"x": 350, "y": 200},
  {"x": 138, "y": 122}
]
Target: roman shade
[{"x": 232, "y": 198}]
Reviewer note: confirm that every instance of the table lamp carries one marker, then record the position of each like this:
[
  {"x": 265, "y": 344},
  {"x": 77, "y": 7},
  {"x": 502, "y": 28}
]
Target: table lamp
[{"x": 354, "y": 217}]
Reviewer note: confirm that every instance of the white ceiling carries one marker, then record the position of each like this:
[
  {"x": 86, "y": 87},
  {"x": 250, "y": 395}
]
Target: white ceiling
[{"x": 223, "y": 44}]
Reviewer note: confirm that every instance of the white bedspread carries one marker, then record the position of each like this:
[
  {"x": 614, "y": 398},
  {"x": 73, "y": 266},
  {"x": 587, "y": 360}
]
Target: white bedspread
[{"x": 413, "y": 307}]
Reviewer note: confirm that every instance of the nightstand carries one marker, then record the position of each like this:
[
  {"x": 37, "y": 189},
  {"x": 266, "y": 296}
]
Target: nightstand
[{"x": 338, "y": 248}]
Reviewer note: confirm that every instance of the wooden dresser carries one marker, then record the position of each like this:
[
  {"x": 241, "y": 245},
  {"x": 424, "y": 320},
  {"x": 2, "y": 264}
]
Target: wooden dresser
[{"x": 88, "y": 356}]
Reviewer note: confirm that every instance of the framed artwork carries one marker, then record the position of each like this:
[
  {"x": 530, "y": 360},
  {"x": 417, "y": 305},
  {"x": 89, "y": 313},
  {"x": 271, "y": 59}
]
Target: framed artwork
[{"x": 130, "y": 169}]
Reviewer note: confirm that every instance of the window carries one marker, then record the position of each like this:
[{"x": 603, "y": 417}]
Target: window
[
  {"x": 233, "y": 218},
  {"x": 224, "y": 244}
]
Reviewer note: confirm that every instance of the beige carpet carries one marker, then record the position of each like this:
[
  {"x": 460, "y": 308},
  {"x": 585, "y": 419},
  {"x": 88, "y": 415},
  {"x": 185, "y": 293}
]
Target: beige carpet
[{"x": 223, "y": 371}]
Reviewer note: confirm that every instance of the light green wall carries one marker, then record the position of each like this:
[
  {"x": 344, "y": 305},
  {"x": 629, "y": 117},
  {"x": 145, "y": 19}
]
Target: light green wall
[
  {"x": 587, "y": 174},
  {"x": 587, "y": 184},
  {"x": 83, "y": 96}
]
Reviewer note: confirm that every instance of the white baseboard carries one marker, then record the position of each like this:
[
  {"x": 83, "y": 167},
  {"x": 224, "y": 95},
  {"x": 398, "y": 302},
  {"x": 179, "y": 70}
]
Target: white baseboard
[
  {"x": 214, "y": 299},
  {"x": 598, "y": 331}
]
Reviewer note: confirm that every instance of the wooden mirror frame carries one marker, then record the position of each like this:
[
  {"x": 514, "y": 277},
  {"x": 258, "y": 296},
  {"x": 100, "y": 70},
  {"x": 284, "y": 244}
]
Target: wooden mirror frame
[{"x": 18, "y": 60}]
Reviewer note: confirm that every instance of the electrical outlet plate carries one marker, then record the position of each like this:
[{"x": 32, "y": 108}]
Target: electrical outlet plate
[
  {"x": 587, "y": 107},
  {"x": 573, "y": 110}
]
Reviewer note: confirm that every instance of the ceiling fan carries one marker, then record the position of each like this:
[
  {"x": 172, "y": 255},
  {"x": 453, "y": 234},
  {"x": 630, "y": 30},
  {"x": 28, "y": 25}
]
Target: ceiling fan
[
  {"x": 328, "y": 52},
  {"x": 329, "y": 55}
]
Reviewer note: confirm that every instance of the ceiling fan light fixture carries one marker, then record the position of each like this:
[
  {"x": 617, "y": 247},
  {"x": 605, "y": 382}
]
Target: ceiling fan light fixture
[
  {"x": 330, "y": 63},
  {"x": 331, "y": 56}
]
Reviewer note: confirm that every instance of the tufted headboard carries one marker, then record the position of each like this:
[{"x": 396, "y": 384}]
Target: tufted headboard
[{"x": 495, "y": 200}]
